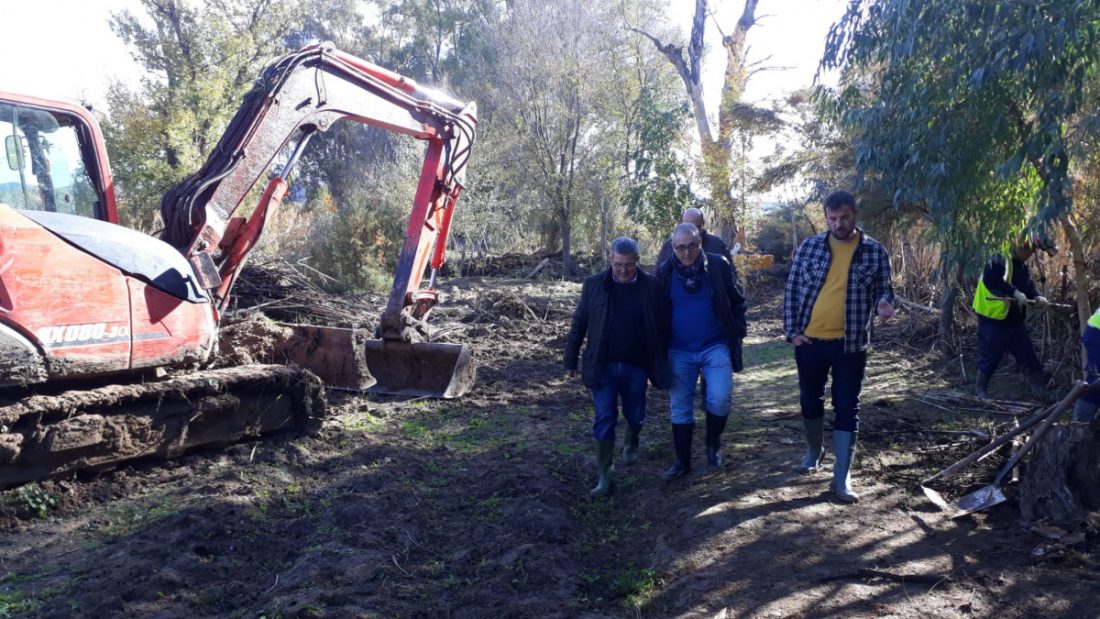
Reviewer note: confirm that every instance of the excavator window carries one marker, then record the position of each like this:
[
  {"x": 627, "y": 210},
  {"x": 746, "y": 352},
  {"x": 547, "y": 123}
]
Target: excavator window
[{"x": 43, "y": 169}]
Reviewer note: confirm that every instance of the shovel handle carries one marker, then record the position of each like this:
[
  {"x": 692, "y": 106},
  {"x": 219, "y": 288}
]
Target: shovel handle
[
  {"x": 1039, "y": 432},
  {"x": 1028, "y": 302}
]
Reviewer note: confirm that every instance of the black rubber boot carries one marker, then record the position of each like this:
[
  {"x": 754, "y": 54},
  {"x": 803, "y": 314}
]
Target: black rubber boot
[
  {"x": 681, "y": 442},
  {"x": 605, "y": 452},
  {"x": 630, "y": 445},
  {"x": 981, "y": 388},
  {"x": 715, "y": 425}
]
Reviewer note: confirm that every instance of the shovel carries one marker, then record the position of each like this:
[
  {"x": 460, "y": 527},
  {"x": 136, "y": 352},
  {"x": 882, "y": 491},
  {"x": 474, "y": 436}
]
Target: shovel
[
  {"x": 420, "y": 369},
  {"x": 991, "y": 495}
]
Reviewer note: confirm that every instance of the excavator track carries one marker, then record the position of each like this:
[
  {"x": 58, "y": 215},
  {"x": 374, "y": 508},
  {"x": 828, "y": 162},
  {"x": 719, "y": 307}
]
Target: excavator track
[{"x": 48, "y": 436}]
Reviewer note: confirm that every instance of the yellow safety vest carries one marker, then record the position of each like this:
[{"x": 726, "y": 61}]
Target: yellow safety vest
[
  {"x": 997, "y": 310},
  {"x": 1094, "y": 320}
]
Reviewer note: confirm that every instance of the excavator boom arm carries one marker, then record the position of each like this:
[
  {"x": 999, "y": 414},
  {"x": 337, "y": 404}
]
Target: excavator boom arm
[{"x": 300, "y": 94}]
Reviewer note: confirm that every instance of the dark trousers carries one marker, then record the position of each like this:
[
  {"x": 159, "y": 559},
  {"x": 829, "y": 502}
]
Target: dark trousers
[
  {"x": 1091, "y": 340},
  {"x": 816, "y": 361},
  {"x": 618, "y": 380},
  {"x": 995, "y": 339}
]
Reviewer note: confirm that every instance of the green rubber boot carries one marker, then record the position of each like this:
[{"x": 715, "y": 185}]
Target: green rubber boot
[
  {"x": 845, "y": 445},
  {"x": 630, "y": 444},
  {"x": 815, "y": 450},
  {"x": 605, "y": 452}
]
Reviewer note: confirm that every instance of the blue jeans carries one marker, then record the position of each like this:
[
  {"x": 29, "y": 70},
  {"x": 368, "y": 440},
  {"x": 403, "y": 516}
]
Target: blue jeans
[
  {"x": 815, "y": 362},
  {"x": 994, "y": 340},
  {"x": 717, "y": 370},
  {"x": 618, "y": 379}
]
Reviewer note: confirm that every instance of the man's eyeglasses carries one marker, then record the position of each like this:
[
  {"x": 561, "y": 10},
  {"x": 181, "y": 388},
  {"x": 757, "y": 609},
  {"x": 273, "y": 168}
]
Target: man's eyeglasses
[
  {"x": 624, "y": 265},
  {"x": 686, "y": 248}
]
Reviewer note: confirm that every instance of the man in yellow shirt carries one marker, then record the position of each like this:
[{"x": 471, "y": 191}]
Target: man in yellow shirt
[{"x": 839, "y": 280}]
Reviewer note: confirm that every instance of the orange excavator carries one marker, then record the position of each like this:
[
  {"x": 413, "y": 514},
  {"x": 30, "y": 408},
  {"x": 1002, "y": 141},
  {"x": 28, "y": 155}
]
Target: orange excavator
[{"x": 85, "y": 300}]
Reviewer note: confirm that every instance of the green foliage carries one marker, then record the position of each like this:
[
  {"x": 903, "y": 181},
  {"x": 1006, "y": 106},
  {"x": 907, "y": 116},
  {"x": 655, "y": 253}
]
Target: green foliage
[
  {"x": 773, "y": 229},
  {"x": 963, "y": 107},
  {"x": 657, "y": 186},
  {"x": 36, "y": 499}
]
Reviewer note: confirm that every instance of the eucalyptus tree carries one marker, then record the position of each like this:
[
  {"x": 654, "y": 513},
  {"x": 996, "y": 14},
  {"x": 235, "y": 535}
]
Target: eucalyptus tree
[{"x": 963, "y": 107}]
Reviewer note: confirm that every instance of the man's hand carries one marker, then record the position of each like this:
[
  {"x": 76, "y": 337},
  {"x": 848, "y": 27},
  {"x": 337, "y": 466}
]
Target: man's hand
[
  {"x": 1041, "y": 300},
  {"x": 1020, "y": 296},
  {"x": 886, "y": 310},
  {"x": 800, "y": 339}
]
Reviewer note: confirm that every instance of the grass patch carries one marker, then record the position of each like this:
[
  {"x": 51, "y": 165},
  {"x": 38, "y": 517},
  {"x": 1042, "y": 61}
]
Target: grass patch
[{"x": 132, "y": 516}]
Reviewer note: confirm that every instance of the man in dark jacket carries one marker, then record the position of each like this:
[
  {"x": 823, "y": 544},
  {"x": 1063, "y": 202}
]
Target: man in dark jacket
[
  {"x": 705, "y": 326},
  {"x": 1000, "y": 302},
  {"x": 712, "y": 243},
  {"x": 617, "y": 315}
]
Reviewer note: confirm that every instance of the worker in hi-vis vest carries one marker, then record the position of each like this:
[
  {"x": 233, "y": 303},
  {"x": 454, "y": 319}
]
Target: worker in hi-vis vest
[
  {"x": 1001, "y": 304},
  {"x": 1085, "y": 407}
]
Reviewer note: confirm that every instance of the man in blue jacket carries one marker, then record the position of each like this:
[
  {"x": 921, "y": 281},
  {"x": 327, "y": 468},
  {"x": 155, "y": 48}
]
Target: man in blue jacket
[
  {"x": 617, "y": 315},
  {"x": 705, "y": 326}
]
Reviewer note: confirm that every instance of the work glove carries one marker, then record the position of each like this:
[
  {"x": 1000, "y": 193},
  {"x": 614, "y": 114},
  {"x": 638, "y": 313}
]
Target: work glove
[
  {"x": 1041, "y": 300},
  {"x": 1021, "y": 297}
]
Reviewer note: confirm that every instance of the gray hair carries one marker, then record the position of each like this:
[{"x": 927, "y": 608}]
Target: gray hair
[
  {"x": 625, "y": 246},
  {"x": 691, "y": 229}
]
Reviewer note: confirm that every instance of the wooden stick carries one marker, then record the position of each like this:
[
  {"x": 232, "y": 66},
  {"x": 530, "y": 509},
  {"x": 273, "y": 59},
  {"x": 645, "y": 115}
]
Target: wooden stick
[
  {"x": 1029, "y": 302},
  {"x": 1079, "y": 389}
]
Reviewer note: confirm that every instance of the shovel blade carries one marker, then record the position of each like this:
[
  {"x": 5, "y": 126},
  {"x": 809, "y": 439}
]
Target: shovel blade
[
  {"x": 978, "y": 500},
  {"x": 420, "y": 369}
]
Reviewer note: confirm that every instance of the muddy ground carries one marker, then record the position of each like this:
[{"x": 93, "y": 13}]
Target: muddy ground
[{"x": 479, "y": 507}]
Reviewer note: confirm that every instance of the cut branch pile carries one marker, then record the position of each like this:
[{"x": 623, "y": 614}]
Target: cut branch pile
[{"x": 289, "y": 293}]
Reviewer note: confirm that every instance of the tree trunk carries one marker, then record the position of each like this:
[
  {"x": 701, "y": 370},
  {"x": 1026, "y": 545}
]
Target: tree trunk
[
  {"x": 566, "y": 249},
  {"x": 716, "y": 148},
  {"x": 947, "y": 309},
  {"x": 1080, "y": 279},
  {"x": 605, "y": 206},
  {"x": 1062, "y": 480}
]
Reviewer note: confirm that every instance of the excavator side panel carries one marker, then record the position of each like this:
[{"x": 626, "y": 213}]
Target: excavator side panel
[
  {"x": 73, "y": 307},
  {"x": 168, "y": 331}
]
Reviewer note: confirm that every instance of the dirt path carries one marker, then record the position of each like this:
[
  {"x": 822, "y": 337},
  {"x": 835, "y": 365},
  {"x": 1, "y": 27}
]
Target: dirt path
[{"x": 478, "y": 508}]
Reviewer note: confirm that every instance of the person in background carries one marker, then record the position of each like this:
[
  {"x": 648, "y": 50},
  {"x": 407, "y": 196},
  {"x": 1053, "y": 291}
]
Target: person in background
[
  {"x": 839, "y": 280},
  {"x": 1084, "y": 409},
  {"x": 617, "y": 319},
  {"x": 706, "y": 324},
  {"x": 1000, "y": 302},
  {"x": 711, "y": 243}
]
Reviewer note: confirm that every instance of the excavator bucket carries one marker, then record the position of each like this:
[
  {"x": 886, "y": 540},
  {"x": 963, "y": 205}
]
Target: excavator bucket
[{"x": 420, "y": 369}]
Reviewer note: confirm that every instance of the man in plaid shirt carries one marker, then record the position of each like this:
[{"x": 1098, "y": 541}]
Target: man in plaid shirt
[{"x": 839, "y": 281}]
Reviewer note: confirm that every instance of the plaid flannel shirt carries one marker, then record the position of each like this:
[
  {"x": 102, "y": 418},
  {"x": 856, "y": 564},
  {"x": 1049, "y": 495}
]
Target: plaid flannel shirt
[{"x": 868, "y": 283}]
